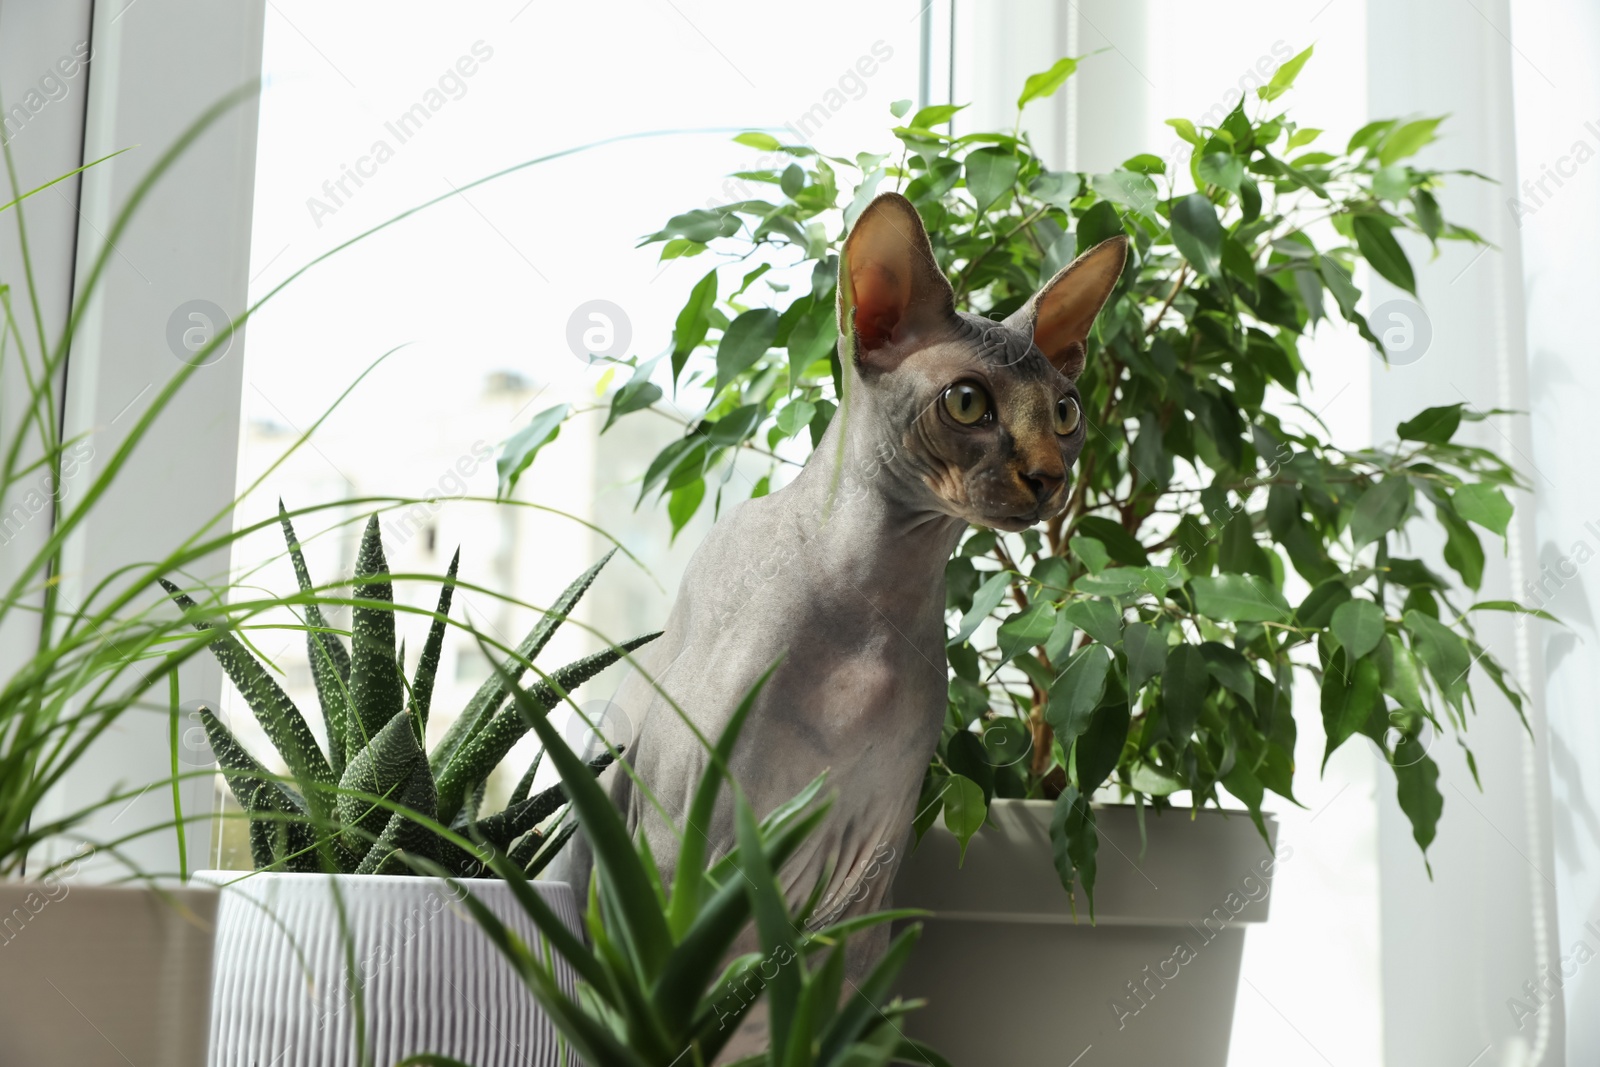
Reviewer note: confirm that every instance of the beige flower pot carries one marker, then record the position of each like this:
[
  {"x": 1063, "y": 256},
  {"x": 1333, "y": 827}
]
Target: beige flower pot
[
  {"x": 1013, "y": 980},
  {"x": 104, "y": 976}
]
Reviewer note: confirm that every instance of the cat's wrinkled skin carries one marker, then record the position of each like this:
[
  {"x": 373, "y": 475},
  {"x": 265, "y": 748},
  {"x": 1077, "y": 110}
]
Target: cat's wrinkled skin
[{"x": 841, "y": 573}]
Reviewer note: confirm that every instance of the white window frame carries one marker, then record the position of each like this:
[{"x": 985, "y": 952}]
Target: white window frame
[{"x": 156, "y": 66}]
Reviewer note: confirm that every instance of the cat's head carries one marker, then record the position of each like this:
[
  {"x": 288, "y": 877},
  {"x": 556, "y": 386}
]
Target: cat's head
[{"x": 985, "y": 417}]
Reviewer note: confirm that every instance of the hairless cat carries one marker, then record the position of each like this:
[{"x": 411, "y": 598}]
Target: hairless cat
[{"x": 948, "y": 419}]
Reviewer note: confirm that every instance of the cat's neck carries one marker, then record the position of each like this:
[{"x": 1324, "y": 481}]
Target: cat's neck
[{"x": 849, "y": 507}]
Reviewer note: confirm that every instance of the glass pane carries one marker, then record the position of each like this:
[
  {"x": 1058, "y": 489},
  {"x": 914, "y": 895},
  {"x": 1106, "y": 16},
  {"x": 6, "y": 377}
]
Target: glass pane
[{"x": 368, "y": 112}]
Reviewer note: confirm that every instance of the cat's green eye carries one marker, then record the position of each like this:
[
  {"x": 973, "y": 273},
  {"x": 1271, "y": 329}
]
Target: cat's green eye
[
  {"x": 1067, "y": 416},
  {"x": 966, "y": 403}
]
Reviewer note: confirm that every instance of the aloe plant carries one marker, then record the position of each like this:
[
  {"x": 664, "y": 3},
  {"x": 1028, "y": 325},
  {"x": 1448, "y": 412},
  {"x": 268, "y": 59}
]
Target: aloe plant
[
  {"x": 660, "y": 983},
  {"x": 375, "y": 723}
]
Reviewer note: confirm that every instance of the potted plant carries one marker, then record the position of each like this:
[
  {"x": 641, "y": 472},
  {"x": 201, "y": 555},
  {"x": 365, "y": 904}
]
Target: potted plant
[
  {"x": 1142, "y": 647},
  {"x": 338, "y": 946},
  {"x": 663, "y": 980},
  {"x": 89, "y": 973}
]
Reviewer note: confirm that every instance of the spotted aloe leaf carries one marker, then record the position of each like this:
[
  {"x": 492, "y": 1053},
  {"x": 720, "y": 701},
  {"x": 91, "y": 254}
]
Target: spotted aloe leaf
[
  {"x": 330, "y": 662},
  {"x": 535, "y": 851},
  {"x": 525, "y": 783},
  {"x": 484, "y": 751},
  {"x": 279, "y": 718},
  {"x": 279, "y": 835},
  {"x": 487, "y": 700},
  {"x": 376, "y": 691},
  {"x": 428, "y": 664},
  {"x": 386, "y": 767},
  {"x": 401, "y": 832},
  {"x": 517, "y": 819}
]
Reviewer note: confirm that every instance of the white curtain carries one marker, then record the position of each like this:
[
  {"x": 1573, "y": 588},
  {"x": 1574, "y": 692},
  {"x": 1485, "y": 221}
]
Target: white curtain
[{"x": 1554, "y": 209}]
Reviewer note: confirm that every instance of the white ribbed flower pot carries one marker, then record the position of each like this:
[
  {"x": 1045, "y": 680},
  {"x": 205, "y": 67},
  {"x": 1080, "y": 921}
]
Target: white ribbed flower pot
[
  {"x": 1012, "y": 980},
  {"x": 432, "y": 981},
  {"x": 104, "y": 976}
]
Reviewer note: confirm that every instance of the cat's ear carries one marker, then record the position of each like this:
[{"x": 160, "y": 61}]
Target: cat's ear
[
  {"x": 1060, "y": 314},
  {"x": 891, "y": 290}
]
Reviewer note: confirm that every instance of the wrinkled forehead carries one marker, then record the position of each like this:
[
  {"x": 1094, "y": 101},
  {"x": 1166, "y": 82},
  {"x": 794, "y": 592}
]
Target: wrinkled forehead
[{"x": 1003, "y": 352}]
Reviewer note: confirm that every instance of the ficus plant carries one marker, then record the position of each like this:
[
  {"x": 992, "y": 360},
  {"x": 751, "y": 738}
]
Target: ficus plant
[{"x": 1144, "y": 644}]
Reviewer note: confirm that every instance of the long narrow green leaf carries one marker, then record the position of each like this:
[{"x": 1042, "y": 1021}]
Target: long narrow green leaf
[
  {"x": 644, "y": 929},
  {"x": 819, "y": 1001},
  {"x": 722, "y": 917},
  {"x": 279, "y": 718},
  {"x": 688, "y": 884},
  {"x": 862, "y": 1007},
  {"x": 483, "y": 752},
  {"x": 546, "y": 850},
  {"x": 376, "y": 692},
  {"x": 909, "y": 1051},
  {"x": 428, "y": 664},
  {"x": 501, "y": 829},
  {"x": 487, "y": 700},
  {"x": 525, "y": 783},
  {"x": 386, "y": 768},
  {"x": 330, "y": 663},
  {"x": 773, "y": 924},
  {"x": 592, "y": 1040}
]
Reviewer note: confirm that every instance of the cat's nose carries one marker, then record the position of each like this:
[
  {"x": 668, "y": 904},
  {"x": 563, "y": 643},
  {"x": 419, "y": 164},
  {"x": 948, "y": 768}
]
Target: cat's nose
[{"x": 1044, "y": 483}]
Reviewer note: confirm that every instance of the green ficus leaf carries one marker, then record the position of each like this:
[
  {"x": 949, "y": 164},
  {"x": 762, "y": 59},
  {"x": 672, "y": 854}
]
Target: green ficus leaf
[
  {"x": 1405, "y": 141},
  {"x": 1381, "y": 508},
  {"x": 991, "y": 172},
  {"x": 1046, "y": 82},
  {"x": 1283, "y": 78},
  {"x": 1358, "y": 624},
  {"x": 964, "y": 809},
  {"x": 1239, "y": 598},
  {"x": 1098, "y": 618},
  {"x": 1417, "y": 788},
  {"x": 984, "y": 601},
  {"x": 1184, "y": 683},
  {"x": 1198, "y": 234},
  {"x": 1433, "y": 425},
  {"x": 1380, "y": 249},
  {"x": 1027, "y": 628},
  {"x": 693, "y": 321},
  {"x": 1146, "y": 649},
  {"x": 746, "y": 340},
  {"x": 1099, "y": 749},
  {"x": 1485, "y": 505},
  {"x": 1075, "y": 840},
  {"x": 1076, "y": 692},
  {"x": 518, "y": 453}
]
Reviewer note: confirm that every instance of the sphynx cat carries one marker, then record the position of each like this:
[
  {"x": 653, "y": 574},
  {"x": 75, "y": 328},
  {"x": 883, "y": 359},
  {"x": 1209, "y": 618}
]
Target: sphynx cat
[{"x": 950, "y": 419}]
